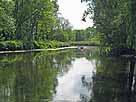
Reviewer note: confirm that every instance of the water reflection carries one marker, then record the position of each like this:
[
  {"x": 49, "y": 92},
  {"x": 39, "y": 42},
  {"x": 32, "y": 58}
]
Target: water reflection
[
  {"x": 68, "y": 75},
  {"x": 111, "y": 82},
  {"x": 31, "y": 77},
  {"x": 71, "y": 87}
]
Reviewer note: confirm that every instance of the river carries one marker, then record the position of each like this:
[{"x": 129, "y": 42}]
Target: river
[{"x": 68, "y": 75}]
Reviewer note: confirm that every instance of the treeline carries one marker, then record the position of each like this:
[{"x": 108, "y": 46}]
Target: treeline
[
  {"x": 115, "y": 20},
  {"x": 28, "y": 24},
  {"x": 32, "y": 20}
]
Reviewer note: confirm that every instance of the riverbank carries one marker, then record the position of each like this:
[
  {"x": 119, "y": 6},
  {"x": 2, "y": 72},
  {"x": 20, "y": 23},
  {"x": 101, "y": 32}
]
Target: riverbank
[
  {"x": 37, "y": 50},
  {"x": 17, "y": 46}
]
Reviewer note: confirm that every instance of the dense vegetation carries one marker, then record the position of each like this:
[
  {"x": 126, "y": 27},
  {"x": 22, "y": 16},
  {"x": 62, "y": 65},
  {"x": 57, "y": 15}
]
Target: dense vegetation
[
  {"x": 29, "y": 24},
  {"x": 115, "y": 20}
]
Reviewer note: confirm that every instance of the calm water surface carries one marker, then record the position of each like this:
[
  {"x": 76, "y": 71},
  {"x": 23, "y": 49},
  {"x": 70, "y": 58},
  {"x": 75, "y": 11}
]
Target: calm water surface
[{"x": 64, "y": 76}]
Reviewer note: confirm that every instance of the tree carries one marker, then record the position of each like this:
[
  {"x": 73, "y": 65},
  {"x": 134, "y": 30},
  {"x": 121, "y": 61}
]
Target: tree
[
  {"x": 114, "y": 20},
  {"x": 6, "y": 20},
  {"x": 63, "y": 30}
]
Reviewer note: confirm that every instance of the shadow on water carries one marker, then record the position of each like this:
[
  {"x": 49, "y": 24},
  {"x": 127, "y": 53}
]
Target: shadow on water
[
  {"x": 132, "y": 80},
  {"x": 114, "y": 80},
  {"x": 85, "y": 76}
]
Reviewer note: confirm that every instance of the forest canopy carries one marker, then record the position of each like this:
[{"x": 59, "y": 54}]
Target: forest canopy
[
  {"x": 115, "y": 20},
  {"x": 31, "y": 24}
]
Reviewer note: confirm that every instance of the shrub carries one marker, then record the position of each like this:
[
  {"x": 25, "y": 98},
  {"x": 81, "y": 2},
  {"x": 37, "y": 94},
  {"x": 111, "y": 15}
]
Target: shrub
[{"x": 11, "y": 45}]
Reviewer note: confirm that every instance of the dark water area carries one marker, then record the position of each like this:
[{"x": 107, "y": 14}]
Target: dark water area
[{"x": 74, "y": 75}]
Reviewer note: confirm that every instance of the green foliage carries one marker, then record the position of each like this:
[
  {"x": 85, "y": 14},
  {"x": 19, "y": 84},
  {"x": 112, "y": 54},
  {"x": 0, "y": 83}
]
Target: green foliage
[
  {"x": 89, "y": 34},
  {"x": 11, "y": 45},
  {"x": 63, "y": 31},
  {"x": 36, "y": 24},
  {"x": 114, "y": 20},
  {"x": 6, "y": 19},
  {"x": 33, "y": 18},
  {"x": 50, "y": 44},
  {"x": 85, "y": 43},
  {"x": 43, "y": 45}
]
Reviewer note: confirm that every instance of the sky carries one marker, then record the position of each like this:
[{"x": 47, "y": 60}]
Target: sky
[{"x": 73, "y": 11}]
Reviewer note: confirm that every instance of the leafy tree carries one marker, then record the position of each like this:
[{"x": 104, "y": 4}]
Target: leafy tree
[
  {"x": 115, "y": 20},
  {"x": 6, "y": 20},
  {"x": 63, "y": 30}
]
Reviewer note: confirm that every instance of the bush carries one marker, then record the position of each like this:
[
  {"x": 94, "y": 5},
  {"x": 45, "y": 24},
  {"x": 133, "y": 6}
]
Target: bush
[
  {"x": 85, "y": 43},
  {"x": 49, "y": 44},
  {"x": 2, "y": 46},
  {"x": 14, "y": 45},
  {"x": 40, "y": 45},
  {"x": 20, "y": 45},
  {"x": 11, "y": 45}
]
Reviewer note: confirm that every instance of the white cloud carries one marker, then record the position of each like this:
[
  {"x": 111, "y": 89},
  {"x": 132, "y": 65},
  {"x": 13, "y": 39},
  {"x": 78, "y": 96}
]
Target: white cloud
[{"x": 73, "y": 10}]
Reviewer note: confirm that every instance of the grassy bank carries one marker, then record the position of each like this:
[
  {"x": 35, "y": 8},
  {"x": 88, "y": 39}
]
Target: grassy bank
[{"x": 21, "y": 45}]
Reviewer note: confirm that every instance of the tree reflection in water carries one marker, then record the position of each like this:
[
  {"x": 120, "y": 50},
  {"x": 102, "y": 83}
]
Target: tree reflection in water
[
  {"x": 32, "y": 77},
  {"x": 114, "y": 80}
]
